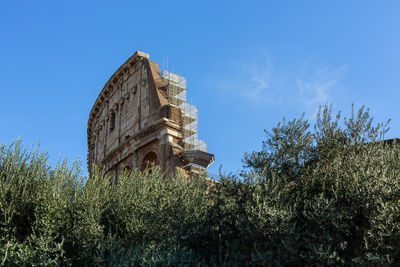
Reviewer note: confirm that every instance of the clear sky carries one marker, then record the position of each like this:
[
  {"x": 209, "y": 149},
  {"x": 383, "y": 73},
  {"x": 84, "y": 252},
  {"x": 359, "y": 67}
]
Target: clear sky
[{"x": 248, "y": 64}]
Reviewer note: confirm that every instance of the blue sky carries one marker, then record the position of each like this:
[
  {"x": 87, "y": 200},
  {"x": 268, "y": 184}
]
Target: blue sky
[{"x": 248, "y": 64}]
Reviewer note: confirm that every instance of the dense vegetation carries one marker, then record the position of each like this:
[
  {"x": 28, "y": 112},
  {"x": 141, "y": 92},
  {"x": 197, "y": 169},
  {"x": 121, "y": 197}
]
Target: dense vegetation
[{"x": 323, "y": 196}]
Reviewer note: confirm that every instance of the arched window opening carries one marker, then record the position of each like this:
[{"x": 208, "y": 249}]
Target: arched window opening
[
  {"x": 112, "y": 121},
  {"x": 149, "y": 161}
]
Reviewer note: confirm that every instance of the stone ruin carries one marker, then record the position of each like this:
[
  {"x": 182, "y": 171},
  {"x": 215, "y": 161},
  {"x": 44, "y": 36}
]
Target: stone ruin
[{"x": 141, "y": 118}]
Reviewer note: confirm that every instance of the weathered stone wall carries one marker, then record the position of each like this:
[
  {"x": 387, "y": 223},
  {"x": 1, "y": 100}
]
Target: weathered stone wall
[{"x": 132, "y": 117}]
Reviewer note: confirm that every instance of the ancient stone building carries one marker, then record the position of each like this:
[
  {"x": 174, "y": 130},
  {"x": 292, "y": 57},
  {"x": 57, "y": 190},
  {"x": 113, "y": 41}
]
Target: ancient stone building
[{"x": 141, "y": 118}]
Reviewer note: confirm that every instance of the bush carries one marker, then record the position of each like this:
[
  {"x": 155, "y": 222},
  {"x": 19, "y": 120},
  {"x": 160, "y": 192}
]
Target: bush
[
  {"x": 58, "y": 217},
  {"x": 326, "y": 196}
]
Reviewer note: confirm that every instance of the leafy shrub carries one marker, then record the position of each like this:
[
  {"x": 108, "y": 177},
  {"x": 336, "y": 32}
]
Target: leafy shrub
[
  {"x": 323, "y": 196},
  {"x": 58, "y": 217}
]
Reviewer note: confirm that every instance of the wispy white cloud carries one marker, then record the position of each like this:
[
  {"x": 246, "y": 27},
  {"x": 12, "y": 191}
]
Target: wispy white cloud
[
  {"x": 259, "y": 80},
  {"x": 315, "y": 87},
  {"x": 262, "y": 84},
  {"x": 266, "y": 83}
]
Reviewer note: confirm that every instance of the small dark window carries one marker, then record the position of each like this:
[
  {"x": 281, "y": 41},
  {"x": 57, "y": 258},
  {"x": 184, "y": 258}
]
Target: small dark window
[{"x": 112, "y": 121}]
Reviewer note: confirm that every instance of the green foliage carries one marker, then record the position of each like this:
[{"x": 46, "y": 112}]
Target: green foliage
[
  {"x": 58, "y": 217},
  {"x": 328, "y": 195}
]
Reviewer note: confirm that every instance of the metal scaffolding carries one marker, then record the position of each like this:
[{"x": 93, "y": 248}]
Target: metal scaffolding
[{"x": 176, "y": 93}]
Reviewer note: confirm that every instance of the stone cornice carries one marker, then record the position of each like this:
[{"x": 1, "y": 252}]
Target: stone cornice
[{"x": 142, "y": 133}]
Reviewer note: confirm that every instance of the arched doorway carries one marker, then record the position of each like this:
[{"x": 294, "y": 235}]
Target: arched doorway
[{"x": 149, "y": 161}]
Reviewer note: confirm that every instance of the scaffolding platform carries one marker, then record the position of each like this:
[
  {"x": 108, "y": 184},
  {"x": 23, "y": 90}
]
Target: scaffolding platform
[{"x": 176, "y": 93}]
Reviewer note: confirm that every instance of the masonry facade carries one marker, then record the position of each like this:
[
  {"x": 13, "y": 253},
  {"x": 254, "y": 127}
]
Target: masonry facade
[{"x": 134, "y": 124}]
